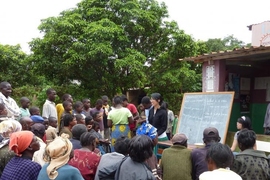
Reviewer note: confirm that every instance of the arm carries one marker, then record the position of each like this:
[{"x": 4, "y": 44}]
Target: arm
[
  {"x": 163, "y": 123},
  {"x": 130, "y": 120},
  {"x": 109, "y": 123},
  {"x": 234, "y": 145}
]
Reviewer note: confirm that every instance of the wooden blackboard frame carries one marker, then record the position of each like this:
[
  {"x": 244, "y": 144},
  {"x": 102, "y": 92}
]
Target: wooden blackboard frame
[{"x": 223, "y": 136}]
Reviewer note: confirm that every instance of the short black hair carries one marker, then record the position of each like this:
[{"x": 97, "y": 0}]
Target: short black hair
[
  {"x": 124, "y": 98},
  {"x": 220, "y": 154},
  {"x": 95, "y": 124},
  {"x": 121, "y": 145},
  {"x": 66, "y": 103},
  {"x": 95, "y": 114},
  {"x": 67, "y": 119},
  {"x": 88, "y": 119},
  {"x": 87, "y": 139},
  {"x": 79, "y": 117},
  {"x": 99, "y": 102},
  {"x": 245, "y": 121},
  {"x": 33, "y": 109},
  {"x": 117, "y": 100},
  {"x": 165, "y": 105},
  {"x": 246, "y": 139},
  {"x": 65, "y": 97},
  {"x": 77, "y": 104},
  {"x": 146, "y": 100},
  {"x": 4, "y": 84},
  {"x": 140, "y": 148},
  {"x": 23, "y": 99},
  {"x": 78, "y": 130},
  {"x": 86, "y": 99},
  {"x": 52, "y": 119},
  {"x": 105, "y": 98},
  {"x": 49, "y": 91}
]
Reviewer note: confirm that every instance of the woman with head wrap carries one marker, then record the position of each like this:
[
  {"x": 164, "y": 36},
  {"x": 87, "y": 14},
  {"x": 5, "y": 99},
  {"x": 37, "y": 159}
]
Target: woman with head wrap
[
  {"x": 58, "y": 153},
  {"x": 6, "y": 129},
  {"x": 150, "y": 131},
  {"x": 85, "y": 159},
  {"x": 24, "y": 144}
]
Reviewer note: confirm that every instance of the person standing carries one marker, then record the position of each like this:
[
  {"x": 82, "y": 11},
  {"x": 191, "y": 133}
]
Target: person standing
[
  {"x": 199, "y": 165},
  {"x": 98, "y": 108},
  {"x": 266, "y": 123},
  {"x": 106, "y": 108},
  {"x": 158, "y": 116},
  {"x": 25, "y": 103},
  {"x": 13, "y": 109},
  {"x": 49, "y": 109},
  {"x": 60, "y": 108},
  {"x": 170, "y": 120}
]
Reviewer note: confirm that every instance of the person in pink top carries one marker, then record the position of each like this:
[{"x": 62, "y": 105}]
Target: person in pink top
[{"x": 132, "y": 108}]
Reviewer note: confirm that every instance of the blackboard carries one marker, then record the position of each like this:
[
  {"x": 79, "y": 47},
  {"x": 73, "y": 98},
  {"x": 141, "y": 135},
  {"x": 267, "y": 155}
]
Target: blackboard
[{"x": 202, "y": 110}]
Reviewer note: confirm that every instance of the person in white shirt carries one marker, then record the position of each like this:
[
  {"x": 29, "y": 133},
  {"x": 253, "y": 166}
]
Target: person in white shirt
[
  {"x": 10, "y": 104},
  {"x": 49, "y": 109},
  {"x": 219, "y": 158}
]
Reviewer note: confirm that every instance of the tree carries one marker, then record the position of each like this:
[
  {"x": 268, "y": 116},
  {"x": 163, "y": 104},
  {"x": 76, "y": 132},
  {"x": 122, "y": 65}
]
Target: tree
[
  {"x": 227, "y": 43},
  {"x": 103, "y": 44}
]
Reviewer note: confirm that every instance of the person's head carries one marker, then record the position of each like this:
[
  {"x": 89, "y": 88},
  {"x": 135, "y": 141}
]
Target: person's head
[
  {"x": 95, "y": 126},
  {"x": 148, "y": 130},
  {"x": 99, "y": 104},
  {"x": 8, "y": 127},
  {"x": 179, "y": 139},
  {"x": 219, "y": 156},
  {"x": 124, "y": 100},
  {"x": 156, "y": 99},
  {"x": 97, "y": 116},
  {"x": 37, "y": 119},
  {"x": 57, "y": 153},
  {"x": 51, "y": 94},
  {"x": 140, "y": 148},
  {"x": 246, "y": 139},
  {"x": 26, "y": 123},
  {"x": 88, "y": 140},
  {"x": 69, "y": 120},
  {"x": 146, "y": 102},
  {"x": 86, "y": 103},
  {"x": 78, "y": 130},
  {"x": 210, "y": 135},
  {"x": 25, "y": 102},
  {"x": 52, "y": 122},
  {"x": 141, "y": 108},
  {"x": 105, "y": 100},
  {"x": 80, "y": 119},
  {"x": 34, "y": 111},
  {"x": 165, "y": 105},
  {"x": 117, "y": 100},
  {"x": 5, "y": 88},
  {"x": 67, "y": 106},
  {"x": 88, "y": 120},
  {"x": 243, "y": 122},
  {"x": 78, "y": 106},
  {"x": 3, "y": 110},
  {"x": 121, "y": 145},
  {"x": 23, "y": 142},
  {"x": 67, "y": 97},
  {"x": 38, "y": 129},
  {"x": 46, "y": 123}
]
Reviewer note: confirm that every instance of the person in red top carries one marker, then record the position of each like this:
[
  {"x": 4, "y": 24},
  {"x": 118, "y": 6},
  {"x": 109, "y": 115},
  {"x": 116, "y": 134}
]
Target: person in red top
[
  {"x": 132, "y": 108},
  {"x": 85, "y": 159}
]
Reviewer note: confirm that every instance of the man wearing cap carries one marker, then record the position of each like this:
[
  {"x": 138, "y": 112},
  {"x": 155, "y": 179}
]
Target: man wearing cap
[
  {"x": 176, "y": 160},
  {"x": 199, "y": 165}
]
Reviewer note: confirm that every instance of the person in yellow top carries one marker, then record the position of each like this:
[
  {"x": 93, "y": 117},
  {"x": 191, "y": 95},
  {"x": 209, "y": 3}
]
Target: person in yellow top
[{"x": 60, "y": 108}]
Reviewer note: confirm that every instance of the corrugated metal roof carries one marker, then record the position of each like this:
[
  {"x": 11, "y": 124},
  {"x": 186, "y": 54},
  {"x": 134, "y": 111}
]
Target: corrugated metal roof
[{"x": 232, "y": 54}]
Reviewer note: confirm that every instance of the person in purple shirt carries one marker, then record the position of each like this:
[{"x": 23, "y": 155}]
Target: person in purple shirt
[
  {"x": 199, "y": 165},
  {"x": 98, "y": 108}
]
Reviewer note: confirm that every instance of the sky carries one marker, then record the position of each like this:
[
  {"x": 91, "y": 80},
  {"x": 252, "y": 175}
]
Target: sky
[{"x": 203, "y": 19}]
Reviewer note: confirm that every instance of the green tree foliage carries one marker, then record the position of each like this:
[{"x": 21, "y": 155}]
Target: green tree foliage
[
  {"x": 227, "y": 43},
  {"x": 104, "y": 44}
]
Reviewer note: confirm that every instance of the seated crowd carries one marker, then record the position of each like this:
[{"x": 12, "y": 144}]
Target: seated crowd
[{"x": 75, "y": 142}]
